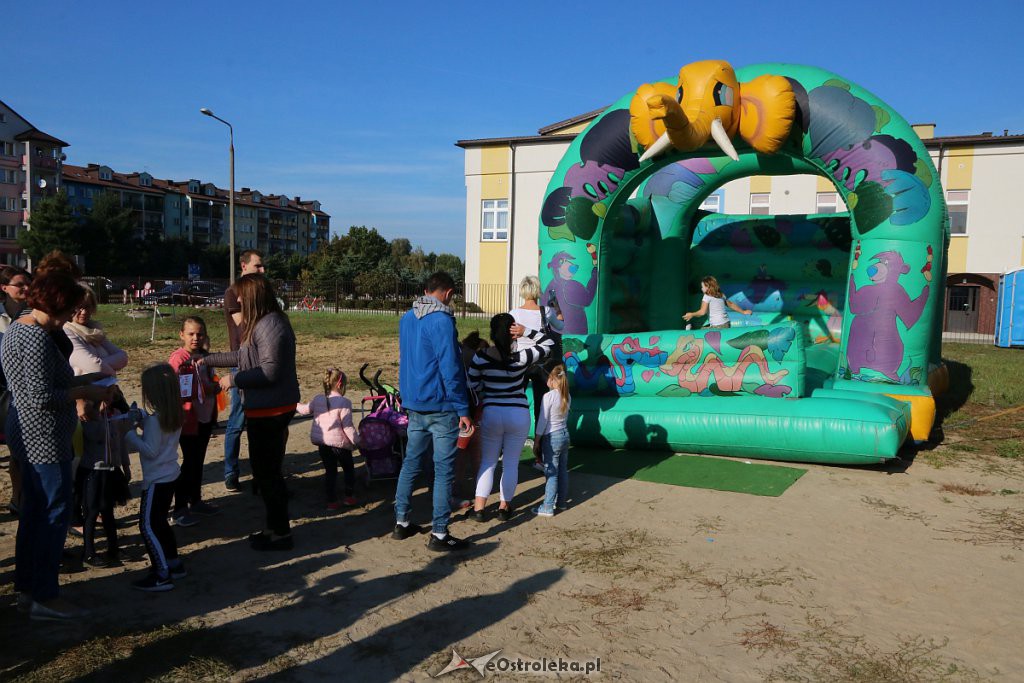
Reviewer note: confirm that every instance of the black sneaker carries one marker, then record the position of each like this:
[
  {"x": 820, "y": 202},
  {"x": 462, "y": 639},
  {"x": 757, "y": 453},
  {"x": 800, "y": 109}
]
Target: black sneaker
[
  {"x": 478, "y": 515},
  {"x": 96, "y": 562},
  {"x": 505, "y": 514},
  {"x": 447, "y": 544},
  {"x": 231, "y": 484},
  {"x": 153, "y": 584},
  {"x": 264, "y": 542},
  {"x": 403, "y": 532},
  {"x": 178, "y": 571}
]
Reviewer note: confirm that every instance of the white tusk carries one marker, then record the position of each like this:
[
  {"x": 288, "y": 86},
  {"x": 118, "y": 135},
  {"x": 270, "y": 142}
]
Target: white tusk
[
  {"x": 659, "y": 147},
  {"x": 722, "y": 138}
]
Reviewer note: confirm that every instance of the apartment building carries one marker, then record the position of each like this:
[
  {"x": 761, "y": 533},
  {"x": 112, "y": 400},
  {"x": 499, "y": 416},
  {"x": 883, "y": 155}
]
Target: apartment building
[
  {"x": 30, "y": 170},
  {"x": 199, "y": 212},
  {"x": 507, "y": 177}
]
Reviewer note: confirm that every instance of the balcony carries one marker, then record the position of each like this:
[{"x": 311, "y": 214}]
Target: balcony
[{"x": 40, "y": 162}]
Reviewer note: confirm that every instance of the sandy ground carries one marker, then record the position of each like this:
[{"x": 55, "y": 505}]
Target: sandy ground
[{"x": 852, "y": 574}]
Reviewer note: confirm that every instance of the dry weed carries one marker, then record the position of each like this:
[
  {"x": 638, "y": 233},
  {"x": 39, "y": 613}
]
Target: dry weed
[
  {"x": 825, "y": 653},
  {"x": 890, "y": 510},
  {"x": 596, "y": 548},
  {"x": 966, "y": 490},
  {"x": 766, "y": 637},
  {"x": 1004, "y": 526}
]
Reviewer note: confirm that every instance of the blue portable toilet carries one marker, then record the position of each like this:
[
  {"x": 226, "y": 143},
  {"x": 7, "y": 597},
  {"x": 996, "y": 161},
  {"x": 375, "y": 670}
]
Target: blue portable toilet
[{"x": 1010, "y": 309}]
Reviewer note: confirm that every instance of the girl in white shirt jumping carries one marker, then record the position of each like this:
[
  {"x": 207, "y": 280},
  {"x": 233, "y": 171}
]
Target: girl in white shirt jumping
[
  {"x": 553, "y": 438},
  {"x": 713, "y": 305}
]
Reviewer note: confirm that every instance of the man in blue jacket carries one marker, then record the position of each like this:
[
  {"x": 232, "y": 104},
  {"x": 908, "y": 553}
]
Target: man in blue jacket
[{"x": 432, "y": 382}]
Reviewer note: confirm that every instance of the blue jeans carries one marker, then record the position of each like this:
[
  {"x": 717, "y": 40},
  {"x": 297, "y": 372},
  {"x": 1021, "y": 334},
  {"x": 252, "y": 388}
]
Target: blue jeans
[
  {"x": 429, "y": 431},
  {"x": 555, "y": 450},
  {"x": 42, "y": 528},
  {"x": 233, "y": 433}
]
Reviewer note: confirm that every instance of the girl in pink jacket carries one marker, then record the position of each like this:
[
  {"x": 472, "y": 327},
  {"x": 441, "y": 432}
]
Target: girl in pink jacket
[{"x": 333, "y": 434}]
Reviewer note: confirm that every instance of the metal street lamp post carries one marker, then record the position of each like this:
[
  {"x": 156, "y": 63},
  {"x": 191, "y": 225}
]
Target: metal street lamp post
[{"x": 231, "y": 197}]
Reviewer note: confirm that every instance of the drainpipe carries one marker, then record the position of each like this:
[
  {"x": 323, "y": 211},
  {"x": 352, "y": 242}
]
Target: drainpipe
[
  {"x": 511, "y": 223},
  {"x": 941, "y": 149}
]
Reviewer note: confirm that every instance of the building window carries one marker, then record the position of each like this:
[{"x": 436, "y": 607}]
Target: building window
[
  {"x": 8, "y": 232},
  {"x": 495, "y": 220},
  {"x": 9, "y": 204},
  {"x": 145, "y": 181},
  {"x": 827, "y": 202},
  {"x": 712, "y": 203},
  {"x": 70, "y": 190},
  {"x": 957, "y": 200},
  {"x": 7, "y": 148},
  {"x": 88, "y": 193},
  {"x": 3, "y": 118},
  {"x": 9, "y": 176},
  {"x": 760, "y": 204},
  {"x": 105, "y": 175}
]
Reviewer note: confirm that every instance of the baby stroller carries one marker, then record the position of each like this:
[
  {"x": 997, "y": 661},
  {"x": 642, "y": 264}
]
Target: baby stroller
[{"x": 382, "y": 431}]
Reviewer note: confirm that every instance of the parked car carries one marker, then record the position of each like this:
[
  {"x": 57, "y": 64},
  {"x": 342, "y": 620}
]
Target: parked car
[{"x": 198, "y": 293}]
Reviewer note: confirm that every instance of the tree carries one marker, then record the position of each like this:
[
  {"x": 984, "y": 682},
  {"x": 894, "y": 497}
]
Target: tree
[
  {"x": 451, "y": 264},
  {"x": 52, "y": 225},
  {"x": 108, "y": 239}
]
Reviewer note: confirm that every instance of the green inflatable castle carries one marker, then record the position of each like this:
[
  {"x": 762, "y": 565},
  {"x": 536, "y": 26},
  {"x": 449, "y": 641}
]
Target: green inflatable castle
[{"x": 839, "y": 355}]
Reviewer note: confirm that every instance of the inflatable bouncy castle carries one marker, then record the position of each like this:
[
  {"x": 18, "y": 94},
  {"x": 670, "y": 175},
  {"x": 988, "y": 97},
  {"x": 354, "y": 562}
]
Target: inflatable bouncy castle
[{"x": 838, "y": 361}]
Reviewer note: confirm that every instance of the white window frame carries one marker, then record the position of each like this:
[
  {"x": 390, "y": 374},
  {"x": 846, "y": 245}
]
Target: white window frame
[
  {"x": 826, "y": 202},
  {"x": 494, "y": 208},
  {"x": 712, "y": 203},
  {"x": 958, "y": 198},
  {"x": 760, "y": 200}
]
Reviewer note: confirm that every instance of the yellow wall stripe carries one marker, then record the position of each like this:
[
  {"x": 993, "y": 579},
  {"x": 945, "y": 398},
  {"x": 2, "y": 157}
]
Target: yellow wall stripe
[{"x": 958, "y": 254}]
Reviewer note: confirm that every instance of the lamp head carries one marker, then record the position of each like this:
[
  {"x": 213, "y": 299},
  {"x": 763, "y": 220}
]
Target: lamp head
[{"x": 206, "y": 112}]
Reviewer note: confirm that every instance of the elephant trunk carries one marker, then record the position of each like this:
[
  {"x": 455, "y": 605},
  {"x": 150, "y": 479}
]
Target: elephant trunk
[{"x": 686, "y": 135}]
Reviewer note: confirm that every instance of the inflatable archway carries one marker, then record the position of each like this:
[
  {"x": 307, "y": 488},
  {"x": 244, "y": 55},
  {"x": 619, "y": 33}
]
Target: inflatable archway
[{"x": 834, "y": 363}]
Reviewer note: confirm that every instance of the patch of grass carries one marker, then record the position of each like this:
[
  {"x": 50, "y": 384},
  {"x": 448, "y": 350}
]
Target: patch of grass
[
  {"x": 1010, "y": 448},
  {"x": 105, "y": 656},
  {"x": 1008, "y": 492},
  {"x": 823, "y": 652},
  {"x": 965, "y": 490},
  {"x": 198, "y": 669}
]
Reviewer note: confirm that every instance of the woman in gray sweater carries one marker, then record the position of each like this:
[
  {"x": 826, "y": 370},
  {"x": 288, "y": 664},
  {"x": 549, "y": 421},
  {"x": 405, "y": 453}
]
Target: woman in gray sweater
[{"x": 270, "y": 391}]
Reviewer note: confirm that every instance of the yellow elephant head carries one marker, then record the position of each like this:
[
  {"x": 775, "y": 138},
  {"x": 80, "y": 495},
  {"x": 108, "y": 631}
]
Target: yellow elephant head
[{"x": 709, "y": 102}]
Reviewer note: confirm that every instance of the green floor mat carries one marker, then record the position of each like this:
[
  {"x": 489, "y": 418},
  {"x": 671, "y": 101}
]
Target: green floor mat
[{"x": 683, "y": 470}]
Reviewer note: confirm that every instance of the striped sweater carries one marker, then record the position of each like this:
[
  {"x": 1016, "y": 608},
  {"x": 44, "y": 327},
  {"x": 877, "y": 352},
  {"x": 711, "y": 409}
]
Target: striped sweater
[{"x": 498, "y": 384}]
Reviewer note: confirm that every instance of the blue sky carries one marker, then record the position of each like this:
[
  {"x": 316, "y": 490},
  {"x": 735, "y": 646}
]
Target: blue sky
[{"x": 359, "y": 104}]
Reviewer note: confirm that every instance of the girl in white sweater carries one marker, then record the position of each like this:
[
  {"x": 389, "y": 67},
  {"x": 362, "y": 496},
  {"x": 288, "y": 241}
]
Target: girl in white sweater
[{"x": 158, "y": 450}]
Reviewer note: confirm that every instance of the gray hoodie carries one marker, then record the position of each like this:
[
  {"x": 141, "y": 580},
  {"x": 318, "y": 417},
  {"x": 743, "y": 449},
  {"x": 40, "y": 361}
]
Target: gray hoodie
[{"x": 266, "y": 364}]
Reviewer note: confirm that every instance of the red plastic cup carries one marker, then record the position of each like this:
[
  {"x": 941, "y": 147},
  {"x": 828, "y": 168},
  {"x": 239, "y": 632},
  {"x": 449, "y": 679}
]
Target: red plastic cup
[{"x": 465, "y": 436}]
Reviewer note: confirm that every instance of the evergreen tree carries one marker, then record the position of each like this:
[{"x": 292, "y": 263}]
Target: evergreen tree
[{"x": 52, "y": 225}]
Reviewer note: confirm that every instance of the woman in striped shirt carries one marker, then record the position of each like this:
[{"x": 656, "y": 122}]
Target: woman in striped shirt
[{"x": 498, "y": 376}]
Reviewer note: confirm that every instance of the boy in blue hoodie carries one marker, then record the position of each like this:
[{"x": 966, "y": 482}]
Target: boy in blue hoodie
[{"x": 432, "y": 383}]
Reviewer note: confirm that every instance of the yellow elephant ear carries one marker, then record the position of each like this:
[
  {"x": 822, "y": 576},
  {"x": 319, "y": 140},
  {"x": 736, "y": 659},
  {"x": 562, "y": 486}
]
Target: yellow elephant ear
[
  {"x": 768, "y": 109},
  {"x": 647, "y": 129}
]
